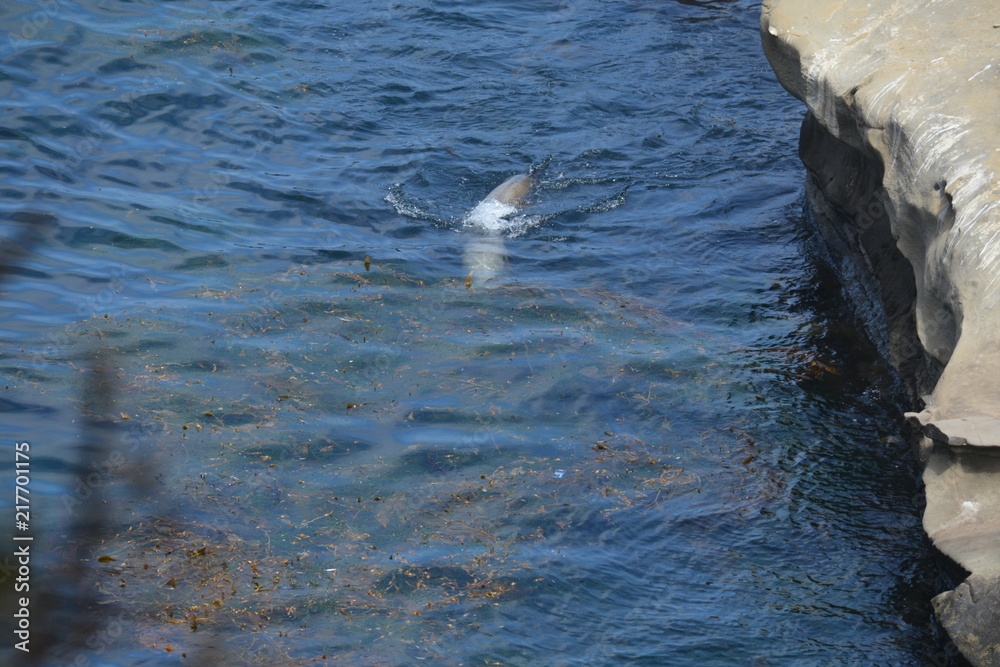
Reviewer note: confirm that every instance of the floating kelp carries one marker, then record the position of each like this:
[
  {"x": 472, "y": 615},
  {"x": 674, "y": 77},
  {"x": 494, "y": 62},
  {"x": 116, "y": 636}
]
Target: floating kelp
[{"x": 345, "y": 449}]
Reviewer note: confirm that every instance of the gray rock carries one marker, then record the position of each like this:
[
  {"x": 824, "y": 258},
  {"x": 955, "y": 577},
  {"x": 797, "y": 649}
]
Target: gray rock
[{"x": 972, "y": 614}]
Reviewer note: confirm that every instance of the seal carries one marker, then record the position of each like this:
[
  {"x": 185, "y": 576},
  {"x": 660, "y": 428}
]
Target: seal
[
  {"x": 514, "y": 190},
  {"x": 485, "y": 256}
]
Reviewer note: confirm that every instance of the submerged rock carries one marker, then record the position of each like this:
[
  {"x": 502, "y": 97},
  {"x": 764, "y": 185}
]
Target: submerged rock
[{"x": 902, "y": 142}]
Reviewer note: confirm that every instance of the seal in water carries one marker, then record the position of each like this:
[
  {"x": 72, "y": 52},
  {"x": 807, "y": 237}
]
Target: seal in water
[
  {"x": 514, "y": 190},
  {"x": 485, "y": 252}
]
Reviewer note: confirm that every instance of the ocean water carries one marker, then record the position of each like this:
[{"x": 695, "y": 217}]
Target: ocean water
[{"x": 276, "y": 416}]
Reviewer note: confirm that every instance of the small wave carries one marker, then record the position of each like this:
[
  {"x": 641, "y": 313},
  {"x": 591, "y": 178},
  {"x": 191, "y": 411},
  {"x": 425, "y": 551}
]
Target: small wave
[
  {"x": 607, "y": 204},
  {"x": 407, "y": 208}
]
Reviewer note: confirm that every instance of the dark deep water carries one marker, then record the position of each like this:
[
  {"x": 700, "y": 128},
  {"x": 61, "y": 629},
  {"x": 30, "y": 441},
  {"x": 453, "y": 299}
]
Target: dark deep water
[{"x": 657, "y": 439}]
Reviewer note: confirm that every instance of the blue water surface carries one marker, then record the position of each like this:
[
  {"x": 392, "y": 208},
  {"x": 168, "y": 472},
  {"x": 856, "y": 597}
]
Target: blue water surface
[{"x": 275, "y": 420}]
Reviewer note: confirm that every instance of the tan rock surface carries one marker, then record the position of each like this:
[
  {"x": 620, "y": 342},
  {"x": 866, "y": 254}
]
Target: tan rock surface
[{"x": 904, "y": 118}]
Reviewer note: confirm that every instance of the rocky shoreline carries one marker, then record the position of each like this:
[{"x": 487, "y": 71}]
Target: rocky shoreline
[{"x": 901, "y": 141}]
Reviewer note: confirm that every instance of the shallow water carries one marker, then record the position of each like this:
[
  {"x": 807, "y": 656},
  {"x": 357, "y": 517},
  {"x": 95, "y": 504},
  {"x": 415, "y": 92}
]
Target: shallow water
[{"x": 241, "y": 337}]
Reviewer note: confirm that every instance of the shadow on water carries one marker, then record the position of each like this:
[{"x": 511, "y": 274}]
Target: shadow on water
[
  {"x": 60, "y": 614},
  {"x": 54, "y": 577},
  {"x": 841, "y": 361}
]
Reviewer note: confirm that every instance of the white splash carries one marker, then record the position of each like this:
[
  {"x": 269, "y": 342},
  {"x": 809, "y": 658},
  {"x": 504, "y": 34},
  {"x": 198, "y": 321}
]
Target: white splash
[{"x": 491, "y": 216}]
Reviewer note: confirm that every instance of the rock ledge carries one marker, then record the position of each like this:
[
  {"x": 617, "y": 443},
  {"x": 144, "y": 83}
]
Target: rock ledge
[{"x": 965, "y": 431}]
